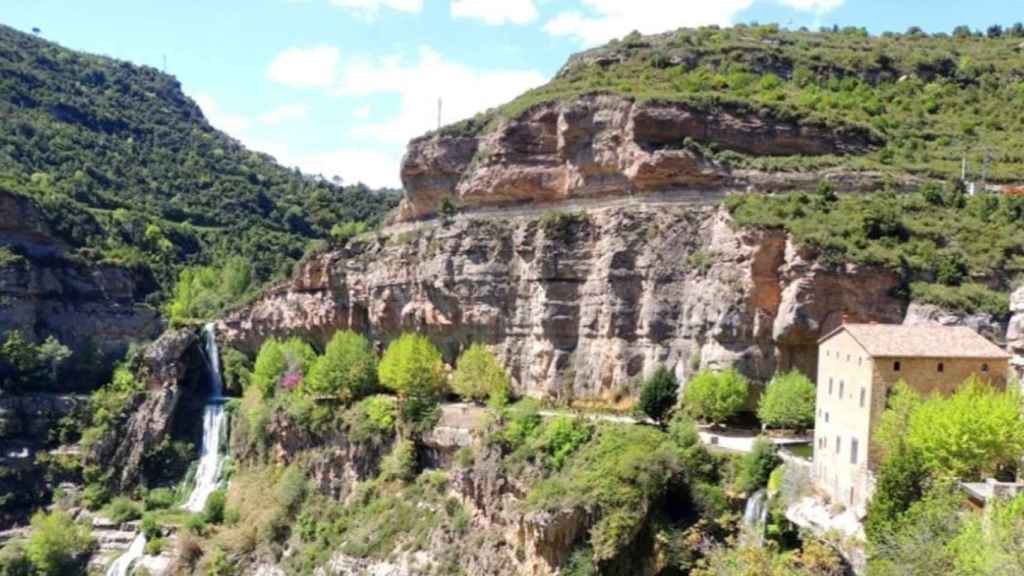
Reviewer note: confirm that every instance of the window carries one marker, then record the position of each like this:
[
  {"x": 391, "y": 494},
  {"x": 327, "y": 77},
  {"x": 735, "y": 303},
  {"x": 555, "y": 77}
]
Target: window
[
  {"x": 830, "y": 386},
  {"x": 826, "y": 417},
  {"x": 984, "y": 368},
  {"x": 847, "y": 357},
  {"x": 842, "y": 385},
  {"x": 896, "y": 366},
  {"x": 853, "y": 450},
  {"x": 942, "y": 367},
  {"x": 839, "y": 444},
  {"x": 863, "y": 394}
]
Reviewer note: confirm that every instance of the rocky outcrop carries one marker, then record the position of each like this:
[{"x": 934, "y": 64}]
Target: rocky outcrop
[
  {"x": 579, "y": 306},
  {"x": 150, "y": 414},
  {"x": 1015, "y": 332},
  {"x": 93, "y": 308},
  {"x": 602, "y": 145}
]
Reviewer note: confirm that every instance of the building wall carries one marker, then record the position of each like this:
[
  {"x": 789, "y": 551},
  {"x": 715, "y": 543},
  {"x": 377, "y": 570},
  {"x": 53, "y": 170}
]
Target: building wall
[{"x": 842, "y": 418}]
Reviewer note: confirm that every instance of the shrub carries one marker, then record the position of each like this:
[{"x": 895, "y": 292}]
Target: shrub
[
  {"x": 479, "y": 375},
  {"x": 213, "y": 511},
  {"x": 291, "y": 488},
  {"x": 756, "y": 466},
  {"x": 196, "y": 524},
  {"x": 372, "y": 417},
  {"x": 560, "y": 438},
  {"x": 900, "y": 482},
  {"x": 523, "y": 421},
  {"x": 122, "y": 509},
  {"x": 788, "y": 402},
  {"x": 400, "y": 464},
  {"x": 151, "y": 527},
  {"x": 281, "y": 365},
  {"x": 347, "y": 370},
  {"x": 154, "y": 547},
  {"x": 159, "y": 499},
  {"x": 659, "y": 394},
  {"x": 412, "y": 366},
  {"x": 715, "y": 396},
  {"x": 58, "y": 546},
  {"x": 14, "y": 561},
  {"x": 236, "y": 369}
]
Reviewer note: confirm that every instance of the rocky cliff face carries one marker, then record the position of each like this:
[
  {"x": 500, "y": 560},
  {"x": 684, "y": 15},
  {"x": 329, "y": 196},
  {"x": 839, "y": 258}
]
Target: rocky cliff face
[
  {"x": 579, "y": 306},
  {"x": 597, "y": 146},
  {"x": 48, "y": 292}
]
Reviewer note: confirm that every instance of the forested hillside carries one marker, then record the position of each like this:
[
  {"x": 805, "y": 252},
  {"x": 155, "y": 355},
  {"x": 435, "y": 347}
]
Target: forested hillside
[
  {"x": 928, "y": 100},
  {"x": 128, "y": 170}
]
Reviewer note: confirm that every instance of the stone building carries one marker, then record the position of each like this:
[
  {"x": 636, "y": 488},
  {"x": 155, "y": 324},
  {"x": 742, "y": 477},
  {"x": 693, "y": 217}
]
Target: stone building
[{"x": 857, "y": 366}]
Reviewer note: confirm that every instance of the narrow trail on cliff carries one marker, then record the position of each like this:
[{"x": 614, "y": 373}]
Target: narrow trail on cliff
[{"x": 686, "y": 197}]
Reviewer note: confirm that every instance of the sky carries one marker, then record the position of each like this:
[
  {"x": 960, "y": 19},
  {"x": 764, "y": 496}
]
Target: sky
[{"x": 338, "y": 87}]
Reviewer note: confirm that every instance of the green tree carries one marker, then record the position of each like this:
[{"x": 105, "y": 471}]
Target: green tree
[
  {"x": 14, "y": 561},
  {"x": 58, "y": 546},
  {"x": 347, "y": 370},
  {"x": 413, "y": 368},
  {"x": 659, "y": 394},
  {"x": 479, "y": 375},
  {"x": 19, "y": 361},
  {"x": 901, "y": 481},
  {"x": 715, "y": 396},
  {"x": 973, "y": 433},
  {"x": 788, "y": 402},
  {"x": 918, "y": 542},
  {"x": 756, "y": 466},
  {"x": 237, "y": 370},
  {"x": 281, "y": 364},
  {"x": 891, "y": 434},
  {"x": 993, "y": 545}
]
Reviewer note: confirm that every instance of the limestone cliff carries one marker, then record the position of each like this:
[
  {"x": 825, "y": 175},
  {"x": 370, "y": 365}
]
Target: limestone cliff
[
  {"x": 47, "y": 291},
  {"x": 580, "y": 305}
]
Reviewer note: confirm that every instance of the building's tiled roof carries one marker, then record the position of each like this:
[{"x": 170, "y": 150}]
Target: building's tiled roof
[{"x": 892, "y": 340}]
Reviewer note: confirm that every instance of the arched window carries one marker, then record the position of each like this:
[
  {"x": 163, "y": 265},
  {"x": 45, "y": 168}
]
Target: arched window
[{"x": 896, "y": 366}]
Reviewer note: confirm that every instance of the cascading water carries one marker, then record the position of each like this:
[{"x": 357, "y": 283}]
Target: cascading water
[
  {"x": 210, "y": 458},
  {"x": 755, "y": 516},
  {"x": 124, "y": 562}
]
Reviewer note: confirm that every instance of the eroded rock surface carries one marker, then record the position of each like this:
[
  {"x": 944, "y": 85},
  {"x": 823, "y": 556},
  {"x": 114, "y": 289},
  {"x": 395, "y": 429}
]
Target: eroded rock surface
[{"x": 580, "y": 306}]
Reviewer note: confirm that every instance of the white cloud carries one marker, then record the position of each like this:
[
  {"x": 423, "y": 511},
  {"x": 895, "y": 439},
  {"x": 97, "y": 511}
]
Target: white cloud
[
  {"x": 495, "y": 13},
  {"x": 370, "y": 8},
  {"x": 305, "y": 67},
  {"x": 285, "y": 113},
  {"x": 819, "y": 6},
  {"x": 463, "y": 90},
  {"x": 607, "y": 19},
  {"x": 233, "y": 124},
  {"x": 373, "y": 168},
  {"x": 361, "y": 112}
]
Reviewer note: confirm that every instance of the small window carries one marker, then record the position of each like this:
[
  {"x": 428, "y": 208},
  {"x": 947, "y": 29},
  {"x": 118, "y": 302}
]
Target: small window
[
  {"x": 896, "y": 366},
  {"x": 863, "y": 395},
  {"x": 851, "y": 495},
  {"x": 984, "y": 368},
  {"x": 826, "y": 417},
  {"x": 942, "y": 367},
  {"x": 842, "y": 386},
  {"x": 839, "y": 444},
  {"x": 847, "y": 357},
  {"x": 860, "y": 360},
  {"x": 830, "y": 386},
  {"x": 853, "y": 450}
]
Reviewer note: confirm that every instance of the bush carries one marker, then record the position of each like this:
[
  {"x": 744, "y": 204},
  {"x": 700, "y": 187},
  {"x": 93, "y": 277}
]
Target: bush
[
  {"x": 122, "y": 509},
  {"x": 213, "y": 511},
  {"x": 400, "y": 464},
  {"x": 237, "y": 371},
  {"x": 372, "y": 418},
  {"x": 756, "y": 466},
  {"x": 154, "y": 547},
  {"x": 659, "y": 394},
  {"x": 479, "y": 376},
  {"x": 196, "y": 524},
  {"x": 788, "y": 402},
  {"x": 281, "y": 365},
  {"x": 560, "y": 438},
  {"x": 900, "y": 482},
  {"x": 159, "y": 499},
  {"x": 151, "y": 527},
  {"x": 58, "y": 546},
  {"x": 715, "y": 396},
  {"x": 347, "y": 370},
  {"x": 14, "y": 561}
]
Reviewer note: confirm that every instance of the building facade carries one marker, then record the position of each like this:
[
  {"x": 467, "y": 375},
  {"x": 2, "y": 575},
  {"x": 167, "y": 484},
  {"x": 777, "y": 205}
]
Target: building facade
[{"x": 857, "y": 366}]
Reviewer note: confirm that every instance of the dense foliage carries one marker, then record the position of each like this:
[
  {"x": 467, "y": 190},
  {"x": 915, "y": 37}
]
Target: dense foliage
[
  {"x": 25, "y": 365},
  {"x": 715, "y": 396},
  {"x": 788, "y": 402},
  {"x": 928, "y": 99},
  {"x": 412, "y": 367},
  {"x": 126, "y": 169},
  {"x": 281, "y": 365},
  {"x": 347, "y": 370},
  {"x": 963, "y": 253},
  {"x": 479, "y": 375},
  {"x": 58, "y": 546},
  {"x": 756, "y": 466},
  {"x": 659, "y": 394}
]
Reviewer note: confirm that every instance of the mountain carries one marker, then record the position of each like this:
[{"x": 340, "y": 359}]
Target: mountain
[{"x": 126, "y": 169}]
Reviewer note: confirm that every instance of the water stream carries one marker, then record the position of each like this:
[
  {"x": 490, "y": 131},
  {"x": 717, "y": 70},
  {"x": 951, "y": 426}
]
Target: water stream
[
  {"x": 755, "y": 516},
  {"x": 211, "y": 460}
]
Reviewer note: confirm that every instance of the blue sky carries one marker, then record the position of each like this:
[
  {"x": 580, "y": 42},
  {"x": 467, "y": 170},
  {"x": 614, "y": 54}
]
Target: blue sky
[{"x": 337, "y": 87}]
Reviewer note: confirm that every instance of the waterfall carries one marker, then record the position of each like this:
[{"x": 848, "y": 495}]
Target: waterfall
[
  {"x": 123, "y": 564},
  {"x": 210, "y": 458},
  {"x": 755, "y": 515}
]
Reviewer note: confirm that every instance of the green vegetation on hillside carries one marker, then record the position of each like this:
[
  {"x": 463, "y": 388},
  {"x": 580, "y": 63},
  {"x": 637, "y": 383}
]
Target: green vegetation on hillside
[
  {"x": 930, "y": 99},
  {"x": 127, "y": 170},
  {"x": 963, "y": 253}
]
